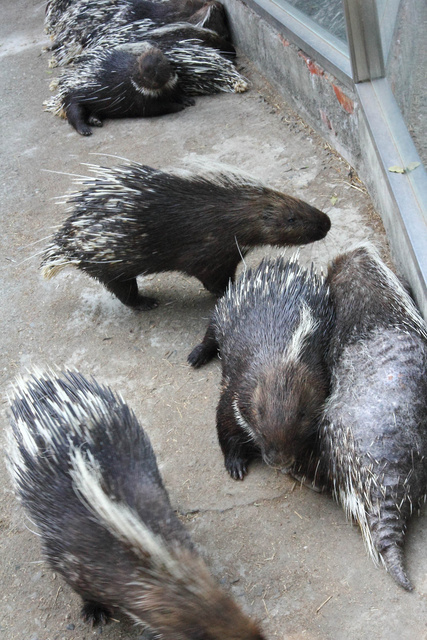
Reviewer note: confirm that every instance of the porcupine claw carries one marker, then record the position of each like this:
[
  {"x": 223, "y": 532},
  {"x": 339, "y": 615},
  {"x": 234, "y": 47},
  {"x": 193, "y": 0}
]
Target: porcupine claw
[
  {"x": 236, "y": 467},
  {"x": 206, "y": 350}
]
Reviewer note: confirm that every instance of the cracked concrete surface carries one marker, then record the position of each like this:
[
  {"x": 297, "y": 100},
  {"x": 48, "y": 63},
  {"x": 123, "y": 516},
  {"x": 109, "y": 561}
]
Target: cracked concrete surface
[{"x": 287, "y": 554}]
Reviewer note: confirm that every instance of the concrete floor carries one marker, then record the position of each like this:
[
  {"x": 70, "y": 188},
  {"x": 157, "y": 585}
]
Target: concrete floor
[{"x": 287, "y": 554}]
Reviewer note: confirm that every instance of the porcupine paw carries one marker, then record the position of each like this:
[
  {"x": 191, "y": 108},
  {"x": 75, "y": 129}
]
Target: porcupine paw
[
  {"x": 199, "y": 356},
  {"x": 95, "y": 121},
  {"x": 84, "y": 130},
  {"x": 237, "y": 467},
  {"x": 143, "y": 303},
  {"x": 95, "y": 614}
]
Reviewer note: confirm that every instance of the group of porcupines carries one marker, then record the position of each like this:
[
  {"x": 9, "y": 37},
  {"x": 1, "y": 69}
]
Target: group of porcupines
[
  {"x": 323, "y": 377},
  {"x": 137, "y": 58}
]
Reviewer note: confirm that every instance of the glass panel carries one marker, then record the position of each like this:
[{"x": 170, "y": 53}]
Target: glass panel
[
  {"x": 387, "y": 12},
  {"x": 406, "y": 69},
  {"x": 328, "y": 14}
]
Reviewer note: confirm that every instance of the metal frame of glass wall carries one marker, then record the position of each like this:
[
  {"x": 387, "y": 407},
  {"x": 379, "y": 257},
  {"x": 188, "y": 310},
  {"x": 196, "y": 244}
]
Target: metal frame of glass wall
[{"x": 358, "y": 59}]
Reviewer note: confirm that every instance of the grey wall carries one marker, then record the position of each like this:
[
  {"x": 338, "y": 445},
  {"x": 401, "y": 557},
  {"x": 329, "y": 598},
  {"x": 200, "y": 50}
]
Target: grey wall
[{"x": 322, "y": 101}]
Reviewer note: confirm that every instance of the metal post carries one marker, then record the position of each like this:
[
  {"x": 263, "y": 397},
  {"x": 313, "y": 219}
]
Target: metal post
[{"x": 364, "y": 39}]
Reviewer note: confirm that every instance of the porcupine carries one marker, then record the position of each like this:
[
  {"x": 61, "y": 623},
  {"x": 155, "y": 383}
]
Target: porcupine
[
  {"x": 119, "y": 83},
  {"x": 374, "y": 437},
  {"x": 86, "y": 21},
  {"x": 133, "y": 220},
  {"x": 271, "y": 329},
  {"x": 201, "y": 60},
  {"x": 53, "y": 12},
  {"x": 118, "y": 543},
  {"x": 165, "y": 37}
]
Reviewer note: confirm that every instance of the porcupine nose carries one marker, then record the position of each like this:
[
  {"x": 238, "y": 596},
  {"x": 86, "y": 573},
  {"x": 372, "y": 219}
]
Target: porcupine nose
[
  {"x": 323, "y": 224},
  {"x": 279, "y": 460}
]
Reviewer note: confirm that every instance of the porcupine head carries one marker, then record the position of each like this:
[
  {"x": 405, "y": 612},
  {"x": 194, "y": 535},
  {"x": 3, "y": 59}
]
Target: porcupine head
[
  {"x": 152, "y": 71},
  {"x": 281, "y": 404}
]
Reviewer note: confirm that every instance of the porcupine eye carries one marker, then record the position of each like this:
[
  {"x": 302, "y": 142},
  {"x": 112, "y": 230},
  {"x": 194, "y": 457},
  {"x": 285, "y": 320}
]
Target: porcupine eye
[{"x": 272, "y": 216}]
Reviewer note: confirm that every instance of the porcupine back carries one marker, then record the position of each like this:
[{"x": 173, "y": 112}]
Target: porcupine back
[
  {"x": 82, "y": 20},
  {"x": 263, "y": 309},
  {"x": 64, "y": 414},
  {"x": 53, "y": 12},
  {"x": 87, "y": 21},
  {"x": 117, "y": 543},
  {"x": 374, "y": 436},
  {"x": 166, "y": 37}
]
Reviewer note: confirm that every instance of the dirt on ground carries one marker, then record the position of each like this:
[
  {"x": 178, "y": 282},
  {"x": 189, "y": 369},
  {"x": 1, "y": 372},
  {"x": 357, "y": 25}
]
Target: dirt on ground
[{"x": 287, "y": 554}]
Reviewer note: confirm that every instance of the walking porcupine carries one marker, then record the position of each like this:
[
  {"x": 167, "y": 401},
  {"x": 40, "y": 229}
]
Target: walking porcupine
[
  {"x": 374, "y": 436},
  {"x": 133, "y": 220},
  {"x": 117, "y": 543},
  {"x": 118, "y": 84},
  {"x": 86, "y": 21},
  {"x": 271, "y": 329}
]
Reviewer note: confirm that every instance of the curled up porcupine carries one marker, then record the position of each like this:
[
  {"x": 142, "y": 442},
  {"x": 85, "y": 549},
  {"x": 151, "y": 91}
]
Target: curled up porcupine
[
  {"x": 373, "y": 440},
  {"x": 271, "y": 329},
  {"x": 200, "y": 61},
  {"x": 117, "y": 542},
  {"x": 132, "y": 220}
]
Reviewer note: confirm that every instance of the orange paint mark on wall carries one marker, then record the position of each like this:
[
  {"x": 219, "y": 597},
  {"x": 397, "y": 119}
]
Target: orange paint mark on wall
[
  {"x": 344, "y": 100},
  {"x": 312, "y": 66}
]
